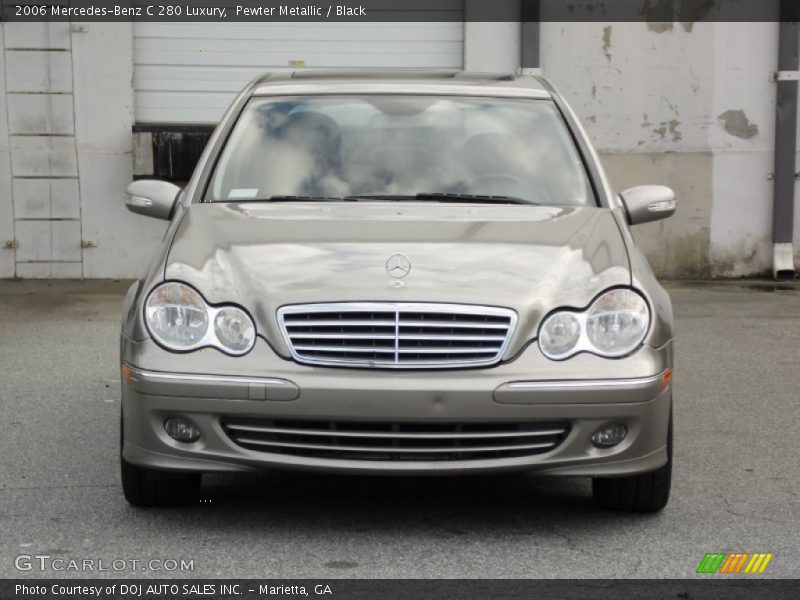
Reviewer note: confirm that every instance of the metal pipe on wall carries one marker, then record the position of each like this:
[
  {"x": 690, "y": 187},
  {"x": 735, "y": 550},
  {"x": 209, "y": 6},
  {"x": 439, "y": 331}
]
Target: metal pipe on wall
[
  {"x": 529, "y": 38},
  {"x": 785, "y": 141}
]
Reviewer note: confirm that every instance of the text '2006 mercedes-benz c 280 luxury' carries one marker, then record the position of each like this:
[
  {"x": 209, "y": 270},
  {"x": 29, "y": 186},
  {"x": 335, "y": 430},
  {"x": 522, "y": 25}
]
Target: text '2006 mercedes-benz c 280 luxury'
[{"x": 407, "y": 273}]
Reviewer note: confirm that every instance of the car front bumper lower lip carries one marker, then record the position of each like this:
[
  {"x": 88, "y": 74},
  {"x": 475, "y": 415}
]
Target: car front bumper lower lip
[{"x": 642, "y": 404}]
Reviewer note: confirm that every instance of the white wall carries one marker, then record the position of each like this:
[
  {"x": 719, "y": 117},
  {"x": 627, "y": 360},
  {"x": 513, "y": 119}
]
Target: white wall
[
  {"x": 491, "y": 47},
  {"x": 65, "y": 152},
  {"x": 120, "y": 242},
  {"x": 190, "y": 72},
  {"x": 690, "y": 106},
  {"x": 37, "y": 158},
  {"x": 741, "y": 219},
  {"x": 7, "y": 252},
  {"x": 687, "y": 106}
]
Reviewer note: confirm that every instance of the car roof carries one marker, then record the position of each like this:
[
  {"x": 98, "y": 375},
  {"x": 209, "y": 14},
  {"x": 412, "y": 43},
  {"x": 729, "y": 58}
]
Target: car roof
[{"x": 398, "y": 81}]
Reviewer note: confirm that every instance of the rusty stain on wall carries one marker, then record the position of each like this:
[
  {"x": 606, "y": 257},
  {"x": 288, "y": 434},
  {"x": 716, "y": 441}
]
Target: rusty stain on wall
[
  {"x": 691, "y": 11},
  {"x": 659, "y": 26},
  {"x": 607, "y": 42},
  {"x": 661, "y": 15},
  {"x": 669, "y": 127},
  {"x": 679, "y": 246},
  {"x": 686, "y": 255},
  {"x": 748, "y": 256},
  {"x": 658, "y": 14},
  {"x": 737, "y": 124}
]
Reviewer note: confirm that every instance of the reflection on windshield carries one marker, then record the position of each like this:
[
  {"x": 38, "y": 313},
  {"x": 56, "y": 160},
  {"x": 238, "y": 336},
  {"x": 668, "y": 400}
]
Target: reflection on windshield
[{"x": 400, "y": 146}]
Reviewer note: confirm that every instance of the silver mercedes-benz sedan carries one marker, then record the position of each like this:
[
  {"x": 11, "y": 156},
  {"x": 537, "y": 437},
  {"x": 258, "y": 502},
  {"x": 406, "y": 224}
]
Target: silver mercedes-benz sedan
[{"x": 407, "y": 273}]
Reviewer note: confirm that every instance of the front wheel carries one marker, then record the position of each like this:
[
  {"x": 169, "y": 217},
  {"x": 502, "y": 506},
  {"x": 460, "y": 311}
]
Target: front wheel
[
  {"x": 150, "y": 487},
  {"x": 644, "y": 493}
]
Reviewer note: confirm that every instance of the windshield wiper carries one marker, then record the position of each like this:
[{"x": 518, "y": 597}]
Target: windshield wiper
[
  {"x": 302, "y": 198},
  {"x": 444, "y": 197},
  {"x": 474, "y": 198},
  {"x": 381, "y": 197},
  {"x": 434, "y": 196}
]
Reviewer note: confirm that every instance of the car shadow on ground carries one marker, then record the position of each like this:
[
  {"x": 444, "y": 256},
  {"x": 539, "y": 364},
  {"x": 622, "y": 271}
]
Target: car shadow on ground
[{"x": 518, "y": 504}]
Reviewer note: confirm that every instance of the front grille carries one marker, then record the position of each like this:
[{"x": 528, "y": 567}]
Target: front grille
[
  {"x": 382, "y": 441},
  {"x": 396, "y": 335}
]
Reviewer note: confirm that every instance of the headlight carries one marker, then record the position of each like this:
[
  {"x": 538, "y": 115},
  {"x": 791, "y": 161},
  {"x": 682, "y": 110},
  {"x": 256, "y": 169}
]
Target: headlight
[
  {"x": 234, "y": 329},
  {"x": 617, "y": 322},
  {"x": 612, "y": 326},
  {"x": 178, "y": 318},
  {"x": 560, "y": 333}
]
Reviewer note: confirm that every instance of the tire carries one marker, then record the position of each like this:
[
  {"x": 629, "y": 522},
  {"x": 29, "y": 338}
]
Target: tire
[
  {"x": 149, "y": 487},
  {"x": 644, "y": 493}
]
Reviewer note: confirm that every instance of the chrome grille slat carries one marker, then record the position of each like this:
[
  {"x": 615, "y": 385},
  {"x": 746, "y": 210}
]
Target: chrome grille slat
[
  {"x": 446, "y": 350},
  {"x": 373, "y": 336},
  {"x": 407, "y": 441},
  {"x": 333, "y": 323},
  {"x": 452, "y": 324},
  {"x": 396, "y": 334},
  {"x": 405, "y": 449},
  {"x": 377, "y": 349},
  {"x": 342, "y": 336},
  {"x": 453, "y": 338},
  {"x": 390, "y": 435}
]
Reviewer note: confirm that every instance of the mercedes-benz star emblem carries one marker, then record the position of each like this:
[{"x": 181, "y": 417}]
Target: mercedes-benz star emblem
[{"x": 398, "y": 266}]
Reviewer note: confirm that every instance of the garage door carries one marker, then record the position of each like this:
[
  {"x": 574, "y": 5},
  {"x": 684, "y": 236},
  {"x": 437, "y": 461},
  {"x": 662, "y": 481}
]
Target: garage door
[{"x": 189, "y": 72}]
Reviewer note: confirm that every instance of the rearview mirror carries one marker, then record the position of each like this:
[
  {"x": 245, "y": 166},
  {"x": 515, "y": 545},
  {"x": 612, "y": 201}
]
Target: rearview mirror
[
  {"x": 645, "y": 203},
  {"x": 152, "y": 198}
]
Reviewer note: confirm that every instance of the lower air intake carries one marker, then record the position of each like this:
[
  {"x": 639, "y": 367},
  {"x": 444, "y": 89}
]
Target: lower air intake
[{"x": 380, "y": 441}]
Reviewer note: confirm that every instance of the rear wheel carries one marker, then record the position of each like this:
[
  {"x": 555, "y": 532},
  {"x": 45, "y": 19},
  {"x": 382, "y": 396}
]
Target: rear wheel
[
  {"x": 150, "y": 487},
  {"x": 644, "y": 493}
]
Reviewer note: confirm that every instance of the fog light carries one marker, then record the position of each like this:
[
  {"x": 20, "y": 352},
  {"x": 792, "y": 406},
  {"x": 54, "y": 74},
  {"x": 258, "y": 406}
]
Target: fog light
[
  {"x": 181, "y": 430},
  {"x": 609, "y": 435}
]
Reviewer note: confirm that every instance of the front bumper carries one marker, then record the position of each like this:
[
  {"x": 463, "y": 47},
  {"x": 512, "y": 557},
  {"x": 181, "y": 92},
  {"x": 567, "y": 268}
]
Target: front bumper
[{"x": 586, "y": 392}]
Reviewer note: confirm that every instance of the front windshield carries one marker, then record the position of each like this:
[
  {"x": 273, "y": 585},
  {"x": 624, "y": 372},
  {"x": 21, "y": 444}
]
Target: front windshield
[{"x": 387, "y": 147}]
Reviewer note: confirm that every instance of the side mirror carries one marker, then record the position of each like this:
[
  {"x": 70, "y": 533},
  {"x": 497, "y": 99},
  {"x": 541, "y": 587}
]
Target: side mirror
[
  {"x": 152, "y": 198},
  {"x": 645, "y": 203}
]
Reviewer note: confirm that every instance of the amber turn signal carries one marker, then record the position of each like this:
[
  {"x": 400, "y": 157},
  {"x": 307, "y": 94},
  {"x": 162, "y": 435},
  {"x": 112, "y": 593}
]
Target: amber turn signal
[
  {"x": 666, "y": 379},
  {"x": 127, "y": 373}
]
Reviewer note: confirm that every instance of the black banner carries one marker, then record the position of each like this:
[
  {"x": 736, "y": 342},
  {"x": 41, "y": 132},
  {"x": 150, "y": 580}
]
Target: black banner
[
  {"x": 687, "y": 11},
  {"x": 745, "y": 588}
]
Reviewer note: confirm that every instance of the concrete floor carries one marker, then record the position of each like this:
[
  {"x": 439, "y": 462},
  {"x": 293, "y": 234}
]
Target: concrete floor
[{"x": 735, "y": 488}]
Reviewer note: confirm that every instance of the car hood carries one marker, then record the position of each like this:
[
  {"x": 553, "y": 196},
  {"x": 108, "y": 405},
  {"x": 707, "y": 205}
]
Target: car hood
[{"x": 528, "y": 258}]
